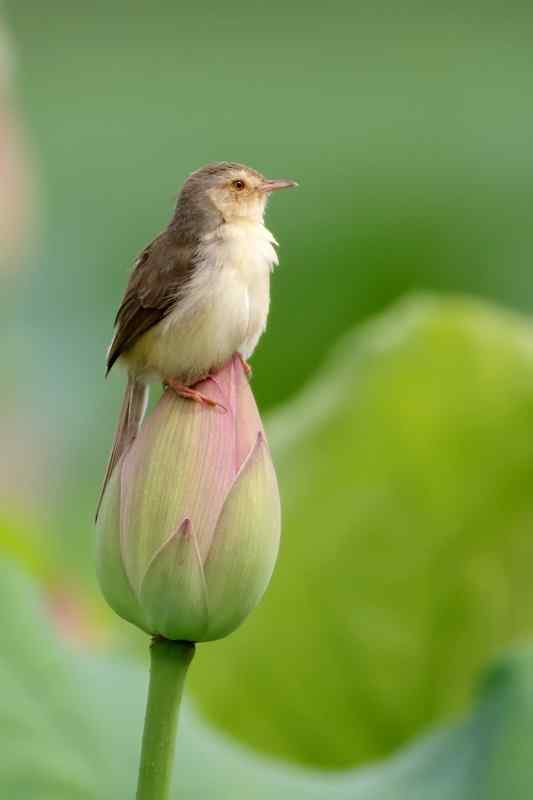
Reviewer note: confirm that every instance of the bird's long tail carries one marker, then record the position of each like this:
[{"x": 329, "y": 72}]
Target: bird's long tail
[{"x": 131, "y": 415}]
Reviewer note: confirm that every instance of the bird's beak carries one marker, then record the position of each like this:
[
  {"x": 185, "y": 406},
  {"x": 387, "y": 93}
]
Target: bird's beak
[{"x": 271, "y": 186}]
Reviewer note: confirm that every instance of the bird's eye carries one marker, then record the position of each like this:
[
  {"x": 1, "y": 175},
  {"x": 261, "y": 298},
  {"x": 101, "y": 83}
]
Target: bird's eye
[{"x": 238, "y": 184}]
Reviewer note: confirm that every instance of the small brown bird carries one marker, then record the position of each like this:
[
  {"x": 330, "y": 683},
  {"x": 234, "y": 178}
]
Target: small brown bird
[{"x": 198, "y": 293}]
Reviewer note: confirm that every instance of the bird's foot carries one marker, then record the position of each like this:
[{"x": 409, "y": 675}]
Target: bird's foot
[
  {"x": 190, "y": 393},
  {"x": 245, "y": 365}
]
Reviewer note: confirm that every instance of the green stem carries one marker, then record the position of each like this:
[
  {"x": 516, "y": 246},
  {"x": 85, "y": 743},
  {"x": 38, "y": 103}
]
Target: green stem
[{"x": 168, "y": 668}]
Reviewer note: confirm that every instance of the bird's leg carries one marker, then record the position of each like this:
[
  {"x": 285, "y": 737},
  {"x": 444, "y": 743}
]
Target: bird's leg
[
  {"x": 245, "y": 365},
  {"x": 190, "y": 393}
]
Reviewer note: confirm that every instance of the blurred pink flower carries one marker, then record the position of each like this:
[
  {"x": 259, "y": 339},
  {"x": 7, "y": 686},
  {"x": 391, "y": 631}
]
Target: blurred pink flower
[{"x": 15, "y": 200}]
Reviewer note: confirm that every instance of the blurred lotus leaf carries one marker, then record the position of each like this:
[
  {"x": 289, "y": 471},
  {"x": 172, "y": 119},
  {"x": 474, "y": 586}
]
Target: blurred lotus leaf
[
  {"x": 21, "y": 540},
  {"x": 70, "y": 730},
  {"x": 406, "y": 473}
]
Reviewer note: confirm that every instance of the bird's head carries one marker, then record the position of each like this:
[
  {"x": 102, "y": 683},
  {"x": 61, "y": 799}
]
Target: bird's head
[{"x": 225, "y": 192}]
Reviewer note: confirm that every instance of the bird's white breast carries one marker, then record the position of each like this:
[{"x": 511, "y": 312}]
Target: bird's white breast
[{"x": 223, "y": 309}]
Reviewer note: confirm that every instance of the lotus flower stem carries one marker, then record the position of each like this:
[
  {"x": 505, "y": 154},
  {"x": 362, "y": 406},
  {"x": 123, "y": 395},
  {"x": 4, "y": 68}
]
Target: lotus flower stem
[{"x": 168, "y": 667}]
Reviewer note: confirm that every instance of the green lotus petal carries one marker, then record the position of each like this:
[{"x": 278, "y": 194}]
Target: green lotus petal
[
  {"x": 241, "y": 560},
  {"x": 173, "y": 593},
  {"x": 114, "y": 582}
]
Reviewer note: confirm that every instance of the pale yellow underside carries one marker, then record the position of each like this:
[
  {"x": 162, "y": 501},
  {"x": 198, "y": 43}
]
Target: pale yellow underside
[{"x": 223, "y": 310}]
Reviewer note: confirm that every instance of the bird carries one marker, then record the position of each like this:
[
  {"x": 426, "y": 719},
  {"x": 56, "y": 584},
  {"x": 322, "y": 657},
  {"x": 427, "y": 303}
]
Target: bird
[{"x": 198, "y": 294}]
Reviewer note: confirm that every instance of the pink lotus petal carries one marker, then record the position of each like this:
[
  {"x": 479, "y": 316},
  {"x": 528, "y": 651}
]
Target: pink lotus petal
[{"x": 197, "y": 487}]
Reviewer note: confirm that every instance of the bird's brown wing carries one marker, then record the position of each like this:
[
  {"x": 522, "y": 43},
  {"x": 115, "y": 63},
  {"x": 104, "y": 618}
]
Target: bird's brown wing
[{"x": 159, "y": 275}]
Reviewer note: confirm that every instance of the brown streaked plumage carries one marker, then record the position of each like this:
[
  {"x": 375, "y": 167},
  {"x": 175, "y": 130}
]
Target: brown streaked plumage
[{"x": 158, "y": 278}]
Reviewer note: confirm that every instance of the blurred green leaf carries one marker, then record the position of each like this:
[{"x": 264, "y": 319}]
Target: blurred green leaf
[
  {"x": 22, "y": 541},
  {"x": 70, "y": 728},
  {"x": 406, "y": 471}
]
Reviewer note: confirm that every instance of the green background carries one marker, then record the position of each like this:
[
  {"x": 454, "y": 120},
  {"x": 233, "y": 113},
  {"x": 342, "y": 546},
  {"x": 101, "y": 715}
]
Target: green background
[{"x": 396, "y": 374}]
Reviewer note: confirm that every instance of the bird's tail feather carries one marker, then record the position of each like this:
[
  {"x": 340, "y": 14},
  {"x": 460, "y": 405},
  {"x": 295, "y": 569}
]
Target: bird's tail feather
[{"x": 131, "y": 415}]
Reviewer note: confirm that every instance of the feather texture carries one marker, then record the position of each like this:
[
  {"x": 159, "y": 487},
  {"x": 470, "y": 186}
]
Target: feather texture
[
  {"x": 131, "y": 415},
  {"x": 156, "y": 283}
]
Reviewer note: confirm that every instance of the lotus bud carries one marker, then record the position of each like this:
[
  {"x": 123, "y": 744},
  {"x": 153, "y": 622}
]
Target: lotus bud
[{"x": 190, "y": 521}]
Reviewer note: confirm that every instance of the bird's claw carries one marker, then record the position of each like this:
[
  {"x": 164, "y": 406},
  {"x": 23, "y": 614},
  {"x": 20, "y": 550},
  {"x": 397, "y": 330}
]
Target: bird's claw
[
  {"x": 190, "y": 393},
  {"x": 245, "y": 365}
]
